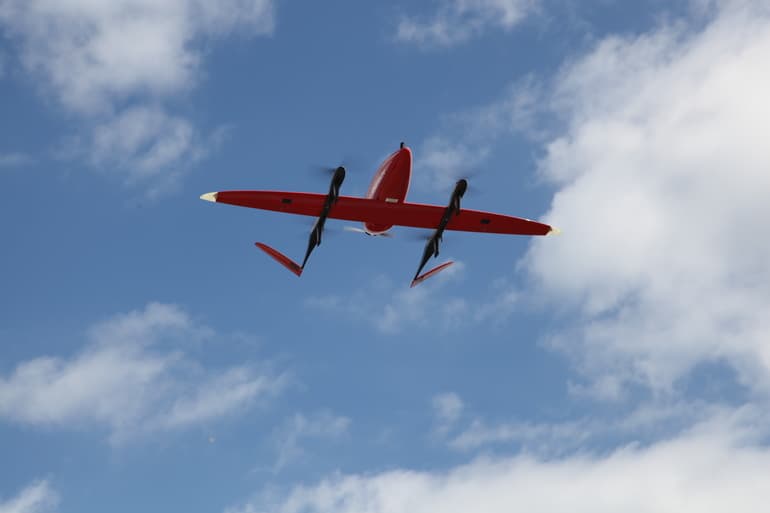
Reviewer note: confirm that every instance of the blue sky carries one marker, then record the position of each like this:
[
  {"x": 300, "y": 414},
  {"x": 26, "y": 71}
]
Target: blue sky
[{"x": 151, "y": 358}]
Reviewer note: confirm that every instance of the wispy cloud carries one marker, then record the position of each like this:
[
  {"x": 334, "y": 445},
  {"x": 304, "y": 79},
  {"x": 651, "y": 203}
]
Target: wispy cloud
[
  {"x": 133, "y": 376},
  {"x": 457, "y": 21},
  {"x": 466, "y": 139},
  {"x": 15, "y": 159},
  {"x": 299, "y": 428},
  {"x": 643, "y": 423},
  {"x": 391, "y": 308},
  {"x": 114, "y": 64},
  {"x": 444, "y": 161},
  {"x": 447, "y": 409},
  {"x": 38, "y": 497}
]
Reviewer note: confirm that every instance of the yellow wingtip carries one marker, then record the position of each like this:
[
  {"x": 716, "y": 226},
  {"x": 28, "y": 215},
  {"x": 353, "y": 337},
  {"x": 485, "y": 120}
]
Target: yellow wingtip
[
  {"x": 554, "y": 231},
  {"x": 209, "y": 196}
]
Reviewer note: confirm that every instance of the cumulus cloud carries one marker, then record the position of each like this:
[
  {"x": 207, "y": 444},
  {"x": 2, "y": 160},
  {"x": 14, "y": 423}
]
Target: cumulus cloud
[
  {"x": 717, "y": 466},
  {"x": 113, "y": 63},
  {"x": 151, "y": 144},
  {"x": 92, "y": 53},
  {"x": 38, "y": 497},
  {"x": 662, "y": 180},
  {"x": 146, "y": 137},
  {"x": 133, "y": 376},
  {"x": 456, "y": 21}
]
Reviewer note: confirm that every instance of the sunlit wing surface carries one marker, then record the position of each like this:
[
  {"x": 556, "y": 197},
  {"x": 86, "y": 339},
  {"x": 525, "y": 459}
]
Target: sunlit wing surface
[{"x": 414, "y": 215}]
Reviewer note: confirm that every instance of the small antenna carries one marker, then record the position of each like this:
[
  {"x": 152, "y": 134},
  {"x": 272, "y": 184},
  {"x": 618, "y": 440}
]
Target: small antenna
[{"x": 402, "y": 145}]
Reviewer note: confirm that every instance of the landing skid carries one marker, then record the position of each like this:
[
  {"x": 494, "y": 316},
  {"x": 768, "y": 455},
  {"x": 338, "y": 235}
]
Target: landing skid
[
  {"x": 421, "y": 278},
  {"x": 282, "y": 259}
]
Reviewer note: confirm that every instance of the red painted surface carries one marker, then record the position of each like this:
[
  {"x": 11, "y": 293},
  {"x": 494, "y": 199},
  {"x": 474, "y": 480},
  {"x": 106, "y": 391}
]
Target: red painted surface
[
  {"x": 390, "y": 184},
  {"x": 430, "y": 273},
  {"x": 282, "y": 259},
  {"x": 381, "y": 213}
]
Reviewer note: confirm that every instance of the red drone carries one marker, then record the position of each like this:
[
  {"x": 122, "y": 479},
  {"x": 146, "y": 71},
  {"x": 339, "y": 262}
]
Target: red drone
[{"x": 383, "y": 207}]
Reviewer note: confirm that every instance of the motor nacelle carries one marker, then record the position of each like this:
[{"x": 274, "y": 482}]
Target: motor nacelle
[
  {"x": 334, "y": 187},
  {"x": 334, "y": 193},
  {"x": 460, "y": 187}
]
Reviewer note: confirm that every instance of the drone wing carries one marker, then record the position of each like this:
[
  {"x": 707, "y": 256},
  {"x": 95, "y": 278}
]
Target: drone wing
[{"x": 366, "y": 210}]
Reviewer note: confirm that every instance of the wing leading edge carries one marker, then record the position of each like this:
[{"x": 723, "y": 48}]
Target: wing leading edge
[{"x": 415, "y": 215}]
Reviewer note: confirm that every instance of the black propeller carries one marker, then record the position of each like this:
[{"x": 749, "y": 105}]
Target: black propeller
[
  {"x": 331, "y": 198},
  {"x": 453, "y": 208}
]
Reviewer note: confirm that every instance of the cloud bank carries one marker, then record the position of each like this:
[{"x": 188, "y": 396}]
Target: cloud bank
[
  {"x": 715, "y": 467},
  {"x": 133, "y": 376},
  {"x": 662, "y": 180}
]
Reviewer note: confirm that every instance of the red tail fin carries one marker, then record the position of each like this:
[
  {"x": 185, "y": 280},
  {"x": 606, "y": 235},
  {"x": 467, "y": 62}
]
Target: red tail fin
[
  {"x": 430, "y": 273},
  {"x": 282, "y": 259}
]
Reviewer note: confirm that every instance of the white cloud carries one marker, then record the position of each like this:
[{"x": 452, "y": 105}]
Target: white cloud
[
  {"x": 92, "y": 53},
  {"x": 299, "y": 427},
  {"x": 457, "y": 21},
  {"x": 662, "y": 184},
  {"x": 146, "y": 139},
  {"x": 718, "y": 466},
  {"x": 133, "y": 376},
  {"x": 38, "y": 497},
  {"x": 148, "y": 145},
  {"x": 113, "y": 63}
]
